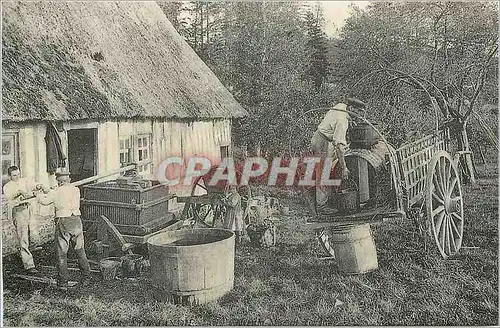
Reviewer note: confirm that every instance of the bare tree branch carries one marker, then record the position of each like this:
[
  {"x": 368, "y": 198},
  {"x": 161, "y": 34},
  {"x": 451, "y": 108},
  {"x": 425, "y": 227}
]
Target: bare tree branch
[{"x": 480, "y": 82}]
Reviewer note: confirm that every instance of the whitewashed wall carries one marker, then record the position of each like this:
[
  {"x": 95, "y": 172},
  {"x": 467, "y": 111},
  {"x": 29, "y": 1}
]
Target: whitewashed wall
[{"x": 169, "y": 138}]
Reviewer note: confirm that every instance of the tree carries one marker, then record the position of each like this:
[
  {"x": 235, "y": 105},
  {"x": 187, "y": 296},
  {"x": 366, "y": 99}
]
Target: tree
[
  {"x": 435, "y": 58},
  {"x": 317, "y": 64},
  {"x": 172, "y": 10},
  {"x": 259, "y": 50}
]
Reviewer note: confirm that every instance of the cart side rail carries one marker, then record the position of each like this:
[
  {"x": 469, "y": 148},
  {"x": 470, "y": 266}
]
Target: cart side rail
[{"x": 413, "y": 160}]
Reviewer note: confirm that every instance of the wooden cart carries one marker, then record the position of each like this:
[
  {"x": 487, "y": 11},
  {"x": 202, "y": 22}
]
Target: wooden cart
[{"x": 424, "y": 186}]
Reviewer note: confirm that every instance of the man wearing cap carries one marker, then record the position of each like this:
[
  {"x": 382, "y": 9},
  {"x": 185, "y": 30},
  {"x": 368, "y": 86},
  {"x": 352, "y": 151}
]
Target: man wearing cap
[
  {"x": 66, "y": 199},
  {"x": 332, "y": 130},
  {"x": 15, "y": 191}
]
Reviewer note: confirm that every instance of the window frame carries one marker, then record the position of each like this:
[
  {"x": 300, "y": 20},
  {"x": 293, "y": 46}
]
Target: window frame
[
  {"x": 225, "y": 151},
  {"x": 15, "y": 144},
  {"x": 147, "y": 167},
  {"x": 125, "y": 151}
]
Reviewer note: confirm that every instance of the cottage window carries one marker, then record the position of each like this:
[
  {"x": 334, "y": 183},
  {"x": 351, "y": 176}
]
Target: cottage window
[
  {"x": 224, "y": 151},
  {"x": 144, "y": 153},
  {"x": 10, "y": 151},
  {"x": 125, "y": 151}
]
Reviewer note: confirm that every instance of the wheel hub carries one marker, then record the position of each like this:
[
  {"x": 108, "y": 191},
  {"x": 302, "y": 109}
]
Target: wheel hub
[{"x": 447, "y": 205}]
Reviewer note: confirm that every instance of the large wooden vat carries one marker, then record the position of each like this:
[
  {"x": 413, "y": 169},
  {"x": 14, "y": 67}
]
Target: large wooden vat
[{"x": 192, "y": 266}]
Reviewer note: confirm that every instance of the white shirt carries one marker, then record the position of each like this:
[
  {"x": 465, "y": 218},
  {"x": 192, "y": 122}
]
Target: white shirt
[
  {"x": 334, "y": 126},
  {"x": 66, "y": 200},
  {"x": 12, "y": 189}
]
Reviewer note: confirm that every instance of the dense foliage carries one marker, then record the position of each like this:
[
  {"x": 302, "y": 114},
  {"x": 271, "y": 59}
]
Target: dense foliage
[
  {"x": 416, "y": 64},
  {"x": 419, "y": 62}
]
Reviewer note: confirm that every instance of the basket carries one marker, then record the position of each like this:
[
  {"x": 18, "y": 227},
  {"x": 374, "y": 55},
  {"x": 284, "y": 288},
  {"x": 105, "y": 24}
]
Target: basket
[
  {"x": 132, "y": 265},
  {"x": 108, "y": 267}
]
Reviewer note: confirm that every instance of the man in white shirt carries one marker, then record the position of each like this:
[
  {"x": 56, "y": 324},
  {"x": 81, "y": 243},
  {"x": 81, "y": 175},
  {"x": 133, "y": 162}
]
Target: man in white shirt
[
  {"x": 69, "y": 229},
  {"x": 332, "y": 130},
  {"x": 15, "y": 191}
]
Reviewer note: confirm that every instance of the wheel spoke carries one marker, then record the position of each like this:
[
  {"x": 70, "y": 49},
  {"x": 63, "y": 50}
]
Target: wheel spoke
[
  {"x": 442, "y": 172},
  {"x": 452, "y": 237},
  {"x": 455, "y": 214},
  {"x": 452, "y": 185},
  {"x": 437, "y": 185},
  {"x": 447, "y": 237},
  {"x": 442, "y": 233},
  {"x": 436, "y": 197},
  {"x": 444, "y": 181},
  {"x": 454, "y": 226},
  {"x": 448, "y": 171},
  {"x": 439, "y": 221},
  {"x": 438, "y": 210}
]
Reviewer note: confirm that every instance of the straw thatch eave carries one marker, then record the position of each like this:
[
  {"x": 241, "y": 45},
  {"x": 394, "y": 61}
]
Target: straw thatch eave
[{"x": 99, "y": 60}]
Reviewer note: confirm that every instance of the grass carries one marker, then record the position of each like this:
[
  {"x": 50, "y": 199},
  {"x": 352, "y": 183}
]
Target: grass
[{"x": 291, "y": 284}]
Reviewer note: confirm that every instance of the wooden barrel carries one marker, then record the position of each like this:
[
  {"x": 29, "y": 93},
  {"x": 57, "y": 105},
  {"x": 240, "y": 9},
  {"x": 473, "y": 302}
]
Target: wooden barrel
[
  {"x": 192, "y": 266},
  {"x": 370, "y": 170},
  {"x": 363, "y": 136},
  {"x": 354, "y": 248}
]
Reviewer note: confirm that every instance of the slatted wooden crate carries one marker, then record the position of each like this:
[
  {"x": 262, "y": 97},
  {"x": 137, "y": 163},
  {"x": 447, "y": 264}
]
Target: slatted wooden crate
[
  {"x": 133, "y": 210},
  {"x": 130, "y": 194}
]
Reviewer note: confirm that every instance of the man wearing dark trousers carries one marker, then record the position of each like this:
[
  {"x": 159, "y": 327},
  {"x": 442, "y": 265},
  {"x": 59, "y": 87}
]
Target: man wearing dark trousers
[{"x": 69, "y": 229}]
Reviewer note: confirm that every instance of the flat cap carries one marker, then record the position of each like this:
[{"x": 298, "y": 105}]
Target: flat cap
[{"x": 354, "y": 102}]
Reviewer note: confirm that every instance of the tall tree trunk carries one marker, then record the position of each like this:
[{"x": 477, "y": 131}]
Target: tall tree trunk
[{"x": 464, "y": 145}]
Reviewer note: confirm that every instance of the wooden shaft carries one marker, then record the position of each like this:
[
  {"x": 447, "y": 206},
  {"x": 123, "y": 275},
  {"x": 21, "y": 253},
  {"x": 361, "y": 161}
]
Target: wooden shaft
[{"x": 97, "y": 177}]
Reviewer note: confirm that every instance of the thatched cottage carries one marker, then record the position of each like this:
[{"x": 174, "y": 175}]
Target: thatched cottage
[{"x": 116, "y": 82}]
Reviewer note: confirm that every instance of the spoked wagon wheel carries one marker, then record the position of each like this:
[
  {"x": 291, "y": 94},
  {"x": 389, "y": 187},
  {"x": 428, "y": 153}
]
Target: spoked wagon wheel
[
  {"x": 207, "y": 212},
  {"x": 210, "y": 212},
  {"x": 443, "y": 197}
]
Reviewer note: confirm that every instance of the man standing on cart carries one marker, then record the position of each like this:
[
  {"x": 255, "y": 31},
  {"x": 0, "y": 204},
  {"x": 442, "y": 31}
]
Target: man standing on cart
[{"x": 329, "y": 142}]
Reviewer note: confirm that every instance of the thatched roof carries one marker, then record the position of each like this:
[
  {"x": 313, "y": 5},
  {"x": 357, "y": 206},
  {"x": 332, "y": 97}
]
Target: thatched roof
[{"x": 78, "y": 60}]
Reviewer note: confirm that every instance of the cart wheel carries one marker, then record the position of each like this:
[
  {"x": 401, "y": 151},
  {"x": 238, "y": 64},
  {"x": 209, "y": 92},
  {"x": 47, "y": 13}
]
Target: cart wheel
[
  {"x": 323, "y": 236},
  {"x": 211, "y": 215},
  {"x": 204, "y": 214},
  {"x": 443, "y": 197}
]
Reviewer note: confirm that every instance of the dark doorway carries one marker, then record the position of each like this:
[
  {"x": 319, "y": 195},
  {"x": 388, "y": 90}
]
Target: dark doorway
[{"x": 82, "y": 153}]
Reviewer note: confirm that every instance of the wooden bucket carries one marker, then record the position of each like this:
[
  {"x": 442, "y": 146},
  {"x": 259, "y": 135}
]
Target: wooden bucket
[
  {"x": 354, "y": 248},
  {"x": 132, "y": 265},
  {"x": 192, "y": 266},
  {"x": 347, "y": 199},
  {"x": 109, "y": 267}
]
